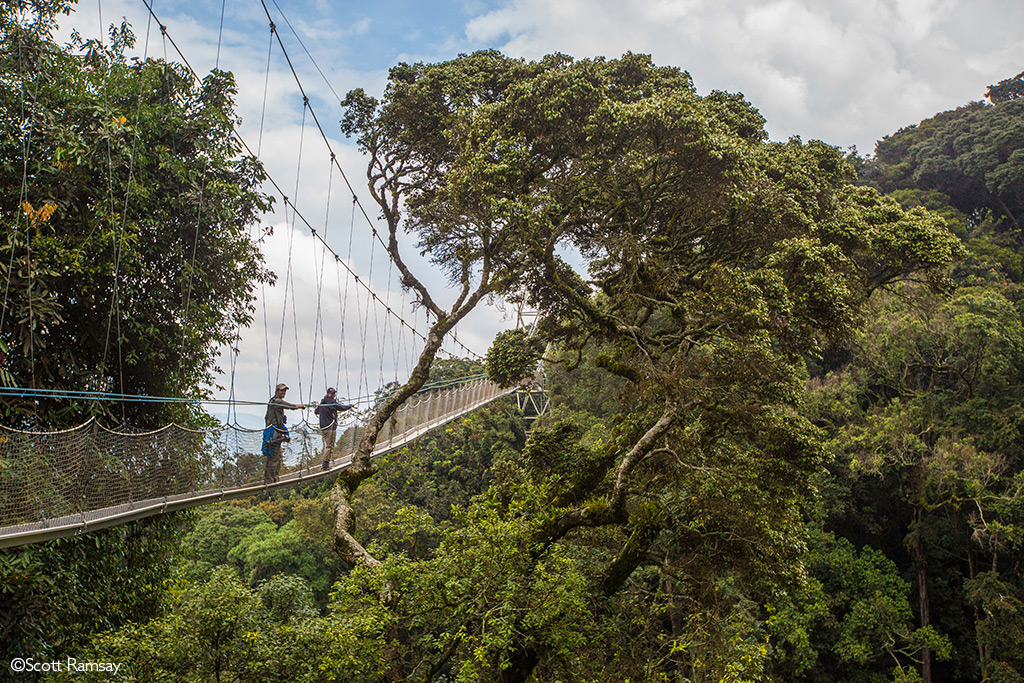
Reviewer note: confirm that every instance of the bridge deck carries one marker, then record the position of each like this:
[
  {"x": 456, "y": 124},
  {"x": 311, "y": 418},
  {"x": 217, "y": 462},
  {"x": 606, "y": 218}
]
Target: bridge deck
[{"x": 90, "y": 520}]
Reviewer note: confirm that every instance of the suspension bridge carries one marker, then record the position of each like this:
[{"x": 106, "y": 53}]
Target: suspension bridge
[
  {"x": 61, "y": 483},
  {"x": 56, "y": 484}
]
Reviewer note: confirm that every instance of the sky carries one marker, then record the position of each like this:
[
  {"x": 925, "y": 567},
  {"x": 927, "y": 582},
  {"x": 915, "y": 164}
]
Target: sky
[{"x": 847, "y": 72}]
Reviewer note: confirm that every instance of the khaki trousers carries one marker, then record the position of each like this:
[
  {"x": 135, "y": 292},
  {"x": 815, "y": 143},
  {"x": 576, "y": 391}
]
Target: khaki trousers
[{"x": 329, "y": 434}]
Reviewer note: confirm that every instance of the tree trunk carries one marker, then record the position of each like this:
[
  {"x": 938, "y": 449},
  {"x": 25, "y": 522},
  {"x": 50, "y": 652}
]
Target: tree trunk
[
  {"x": 982, "y": 651},
  {"x": 393, "y": 656},
  {"x": 916, "y": 545}
]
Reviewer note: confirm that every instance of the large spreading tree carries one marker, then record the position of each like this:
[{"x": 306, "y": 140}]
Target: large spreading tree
[
  {"x": 717, "y": 261},
  {"x": 973, "y": 155}
]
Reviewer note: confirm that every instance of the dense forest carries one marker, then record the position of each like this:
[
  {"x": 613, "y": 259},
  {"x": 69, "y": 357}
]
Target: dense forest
[{"x": 786, "y": 440}]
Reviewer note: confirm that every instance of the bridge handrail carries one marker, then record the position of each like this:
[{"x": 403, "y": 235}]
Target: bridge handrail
[{"x": 109, "y": 485}]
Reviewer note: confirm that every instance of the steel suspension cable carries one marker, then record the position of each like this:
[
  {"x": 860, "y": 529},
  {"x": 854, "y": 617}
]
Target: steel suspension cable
[
  {"x": 319, "y": 273},
  {"x": 284, "y": 306},
  {"x": 117, "y": 236},
  {"x": 361, "y": 322},
  {"x": 147, "y": 398},
  {"x": 28, "y": 268},
  {"x": 391, "y": 330},
  {"x": 190, "y": 271},
  {"x": 343, "y": 348},
  {"x": 259, "y": 146},
  {"x": 220, "y": 33},
  {"x": 296, "y": 34},
  {"x": 266, "y": 87},
  {"x": 291, "y": 236},
  {"x": 274, "y": 183},
  {"x": 366, "y": 319},
  {"x": 128, "y": 185},
  {"x": 326, "y": 140},
  {"x": 295, "y": 330},
  {"x": 382, "y": 330}
]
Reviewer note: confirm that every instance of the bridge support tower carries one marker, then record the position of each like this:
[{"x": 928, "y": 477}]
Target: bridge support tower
[{"x": 532, "y": 399}]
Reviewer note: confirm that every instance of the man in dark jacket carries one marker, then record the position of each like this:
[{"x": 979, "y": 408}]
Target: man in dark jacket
[
  {"x": 276, "y": 419},
  {"x": 328, "y": 412}
]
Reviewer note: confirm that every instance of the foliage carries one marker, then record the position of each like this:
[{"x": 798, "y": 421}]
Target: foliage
[
  {"x": 926, "y": 417},
  {"x": 1000, "y": 625},
  {"x": 473, "y": 592},
  {"x": 420, "y": 487},
  {"x": 279, "y": 536},
  {"x": 933, "y": 450},
  {"x": 663, "y": 522},
  {"x": 126, "y": 263},
  {"x": 219, "y": 530},
  {"x": 1006, "y": 89},
  {"x": 447, "y": 369},
  {"x": 223, "y": 630},
  {"x": 719, "y": 260},
  {"x": 53, "y": 595},
  {"x": 125, "y": 213},
  {"x": 852, "y": 620},
  {"x": 974, "y": 155},
  {"x": 512, "y": 357}
]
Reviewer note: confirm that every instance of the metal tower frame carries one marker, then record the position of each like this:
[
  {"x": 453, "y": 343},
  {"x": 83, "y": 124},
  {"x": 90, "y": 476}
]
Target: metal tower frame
[{"x": 534, "y": 395}]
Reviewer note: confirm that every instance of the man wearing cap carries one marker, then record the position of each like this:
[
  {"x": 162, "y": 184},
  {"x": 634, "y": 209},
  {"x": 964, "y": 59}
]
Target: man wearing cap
[
  {"x": 276, "y": 418},
  {"x": 328, "y": 412}
]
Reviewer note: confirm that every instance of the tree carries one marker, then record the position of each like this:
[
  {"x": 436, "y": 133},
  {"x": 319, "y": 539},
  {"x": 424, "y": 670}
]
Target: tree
[
  {"x": 479, "y": 250},
  {"x": 719, "y": 260},
  {"x": 926, "y": 416},
  {"x": 852, "y": 620},
  {"x": 973, "y": 154},
  {"x": 55, "y": 595},
  {"x": 276, "y": 536},
  {"x": 222, "y": 630},
  {"x": 445, "y": 370},
  {"x": 125, "y": 262},
  {"x": 1006, "y": 89},
  {"x": 126, "y": 203}
]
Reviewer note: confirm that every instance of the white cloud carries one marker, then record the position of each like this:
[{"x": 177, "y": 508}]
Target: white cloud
[
  {"x": 846, "y": 71},
  {"x": 918, "y": 18}
]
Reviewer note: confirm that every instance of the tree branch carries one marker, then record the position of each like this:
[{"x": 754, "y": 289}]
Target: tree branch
[
  {"x": 614, "y": 511},
  {"x": 345, "y": 544},
  {"x": 629, "y": 557}
]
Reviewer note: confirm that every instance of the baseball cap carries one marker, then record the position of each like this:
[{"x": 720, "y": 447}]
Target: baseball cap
[{"x": 281, "y": 386}]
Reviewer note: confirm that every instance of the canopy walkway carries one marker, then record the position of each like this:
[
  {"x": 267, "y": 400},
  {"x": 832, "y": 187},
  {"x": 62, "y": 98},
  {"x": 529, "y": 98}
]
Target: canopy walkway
[{"x": 57, "y": 484}]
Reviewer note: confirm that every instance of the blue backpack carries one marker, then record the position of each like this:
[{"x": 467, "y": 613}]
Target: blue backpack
[{"x": 273, "y": 435}]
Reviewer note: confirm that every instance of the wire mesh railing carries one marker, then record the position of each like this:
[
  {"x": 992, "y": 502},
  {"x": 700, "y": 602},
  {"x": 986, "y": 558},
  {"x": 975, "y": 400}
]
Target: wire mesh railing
[{"x": 55, "y": 484}]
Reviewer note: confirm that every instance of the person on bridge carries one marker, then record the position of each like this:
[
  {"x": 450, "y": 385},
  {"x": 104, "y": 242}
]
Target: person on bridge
[
  {"x": 276, "y": 433},
  {"x": 328, "y": 412}
]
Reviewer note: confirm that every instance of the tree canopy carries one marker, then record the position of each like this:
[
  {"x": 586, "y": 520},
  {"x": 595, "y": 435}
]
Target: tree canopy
[
  {"x": 783, "y": 447},
  {"x": 125, "y": 261},
  {"x": 126, "y": 258},
  {"x": 974, "y": 155}
]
